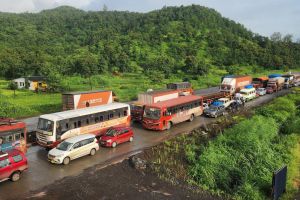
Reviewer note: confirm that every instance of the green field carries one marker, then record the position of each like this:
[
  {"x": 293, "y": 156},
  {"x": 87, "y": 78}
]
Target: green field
[{"x": 126, "y": 86}]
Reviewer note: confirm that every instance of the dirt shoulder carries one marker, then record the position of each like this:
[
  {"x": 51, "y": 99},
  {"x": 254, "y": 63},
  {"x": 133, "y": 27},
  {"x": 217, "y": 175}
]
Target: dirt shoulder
[{"x": 119, "y": 181}]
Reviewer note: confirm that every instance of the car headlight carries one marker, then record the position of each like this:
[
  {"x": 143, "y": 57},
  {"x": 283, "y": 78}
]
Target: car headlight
[{"x": 109, "y": 141}]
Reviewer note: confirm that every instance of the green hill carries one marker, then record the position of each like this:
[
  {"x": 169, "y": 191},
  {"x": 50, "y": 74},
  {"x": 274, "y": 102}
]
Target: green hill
[{"x": 187, "y": 40}]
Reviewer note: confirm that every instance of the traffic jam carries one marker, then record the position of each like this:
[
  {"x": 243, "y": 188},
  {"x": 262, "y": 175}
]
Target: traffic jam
[{"x": 94, "y": 119}]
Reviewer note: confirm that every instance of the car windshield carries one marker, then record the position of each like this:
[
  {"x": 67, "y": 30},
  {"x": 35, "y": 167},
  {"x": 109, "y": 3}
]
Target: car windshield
[
  {"x": 64, "y": 146},
  {"x": 152, "y": 113},
  {"x": 213, "y": 108},
  {"x": 136, "y": 107},
  {"x": 260, "y": 89},
  {"x": 111, "y": 132},
  {"x": 45, "y": 125}
]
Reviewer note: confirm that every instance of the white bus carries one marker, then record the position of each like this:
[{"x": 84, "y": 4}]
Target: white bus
[{"x": 56, "y": 127}]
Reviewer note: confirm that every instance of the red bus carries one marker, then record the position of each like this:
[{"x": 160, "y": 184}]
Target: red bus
[
  {"x": 164, "y": 114},
  {"x": 12, "y": 135}
]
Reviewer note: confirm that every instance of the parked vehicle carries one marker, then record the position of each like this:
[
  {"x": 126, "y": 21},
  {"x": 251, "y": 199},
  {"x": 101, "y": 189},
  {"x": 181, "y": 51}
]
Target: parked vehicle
[
  {"x": 215, "y": 110},
  {"x": 261, "y": 91},
  {"x": 78, "y": 100},
  {"x": 260, "y": 82},
  {"x": 164, "y": 114},
  {"x": 225, "y": 102},
  {"x": 12, "y": 164},
  {"x": 184, "y": 88},
  {"x": 233, "y": 84},
  {"x": 12, "y": 135},
  {"x": 211, "y": 97},
  {"x": 137, "y": 108},
  {"x": 248, "y": 93},
  {"x": 275, "y": 84},
  {"x": 288, "y": 80},
  {"x": 56, "y": 127},
  {"x": 74, "y": 147},
  {"x": 116, "y": 135}
]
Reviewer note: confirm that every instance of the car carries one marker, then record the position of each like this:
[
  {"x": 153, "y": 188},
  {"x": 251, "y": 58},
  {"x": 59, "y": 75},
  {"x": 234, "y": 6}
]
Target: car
[
  {"x": 269, "y": 90},
  {"x": 116, "y": 135},
  {"x": 12, "y": 164},
  {"x": 261, "y": 91},
  {"x": 72, "y": 148},
  {"x": 225, "y": 101},
  {"x": 215, "y": 110},
  {"x": 205, "y": 106}
]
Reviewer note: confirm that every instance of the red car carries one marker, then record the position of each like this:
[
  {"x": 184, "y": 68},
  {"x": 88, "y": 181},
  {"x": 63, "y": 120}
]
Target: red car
[
  {"x": 269, "y": 90},
  {"x": 12, "y": 164},
  {"x": 116, "y": 135}
]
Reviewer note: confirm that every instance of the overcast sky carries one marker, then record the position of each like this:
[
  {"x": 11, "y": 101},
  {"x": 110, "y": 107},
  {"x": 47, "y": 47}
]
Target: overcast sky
[{"x": 261, "y": 16}]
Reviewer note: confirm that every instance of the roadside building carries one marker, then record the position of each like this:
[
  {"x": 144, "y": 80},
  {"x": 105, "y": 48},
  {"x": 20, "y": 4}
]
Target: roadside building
[{"x": 32, "y": 83}]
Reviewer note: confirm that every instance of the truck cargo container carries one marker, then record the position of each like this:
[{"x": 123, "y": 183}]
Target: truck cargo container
[
  {"x": 233, "y": 84},
  {"x": 209, "y": 98},
  {"x": 260, "y": 82},
  {"x": 184, "y": 87},
  {"x": 275, "y": 84},
  {"x": 78, "y": 100},
  {"x": 137, "y": 107}
]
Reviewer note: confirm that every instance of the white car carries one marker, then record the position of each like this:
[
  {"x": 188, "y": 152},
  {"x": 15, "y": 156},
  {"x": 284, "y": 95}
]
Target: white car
[
  {"x": 261, "y": 91},
  {"x": 73, "y": 148},
  {"x": 225, "y": 101}
]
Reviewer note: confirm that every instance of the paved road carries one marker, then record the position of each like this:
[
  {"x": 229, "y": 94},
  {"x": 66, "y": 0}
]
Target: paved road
[{"x": 41, "y": 173}]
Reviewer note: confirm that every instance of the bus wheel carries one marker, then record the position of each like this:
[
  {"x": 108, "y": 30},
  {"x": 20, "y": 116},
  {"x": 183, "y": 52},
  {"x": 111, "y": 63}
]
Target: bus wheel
[
  {"x": 114, "y": 144},
  {"x": 66, "y": 161},
  {"x": 191, "y": 118},
  {"x": 169, "y": 126},
  {"x": 15, "y": 176},
  {"x": 93, "y": 152}
]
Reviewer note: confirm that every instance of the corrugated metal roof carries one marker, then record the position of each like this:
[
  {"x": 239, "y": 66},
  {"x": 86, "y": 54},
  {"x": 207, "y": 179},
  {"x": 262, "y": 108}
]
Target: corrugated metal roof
[
  {"x": 81, "y": 112},
  {"x": 174, "y": 102},
  {"x": 85, "y": 92}
]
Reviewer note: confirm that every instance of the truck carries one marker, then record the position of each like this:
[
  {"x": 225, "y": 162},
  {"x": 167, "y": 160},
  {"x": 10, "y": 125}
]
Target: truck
[
  {"x": 275, "y": 84},
  {"x": 233, "y": 84},
  {"x": 78, "y": 100},
  {"x": 288, "y": 80},
  {"x": 260, "y": 82},
  {"x": 137, "y": 107},
  {"x": 211, "y": 97},
  {"x": 184, "y": 87}
]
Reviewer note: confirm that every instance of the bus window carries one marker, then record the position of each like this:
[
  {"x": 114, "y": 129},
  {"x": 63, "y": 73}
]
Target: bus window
[
  {"x": 87, "y": 121},
  {"x": 75, "y": 125},
  {"x": 125, "y": 112},
  {"x": 79, "y": 123},
  {"x": 96, "y": 119},
  {"x": 18, "y": 136},
  {"x": 101, "y": 118}
]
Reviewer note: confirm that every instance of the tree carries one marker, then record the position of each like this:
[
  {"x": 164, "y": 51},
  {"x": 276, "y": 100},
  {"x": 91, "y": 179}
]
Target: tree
[
  {"x": 104, "y": 8},
  {"x": 276, "y": 37},
  {"x": 13, "y": 86}
]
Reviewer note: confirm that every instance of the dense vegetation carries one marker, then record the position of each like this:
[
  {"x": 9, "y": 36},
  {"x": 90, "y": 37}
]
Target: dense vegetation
[
  {"x": 173, "y": 40},
  {"x": 239, "y": 163}
]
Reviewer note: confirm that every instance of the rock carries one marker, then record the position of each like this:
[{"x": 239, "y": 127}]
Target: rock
[{"x": 138, "y": 163}]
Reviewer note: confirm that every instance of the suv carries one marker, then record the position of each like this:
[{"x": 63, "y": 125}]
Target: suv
[
  {"x": 73, "y": 148},
  {"x": 12, "y": 164},
  {"x": 117, "y": 135},
  {"x": 225, "y": 101}
]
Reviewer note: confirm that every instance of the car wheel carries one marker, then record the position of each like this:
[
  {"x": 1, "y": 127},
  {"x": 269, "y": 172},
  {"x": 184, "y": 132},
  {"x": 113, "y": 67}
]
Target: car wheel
[
  {"x": 93, "y": 152},
  {"x": 66, "y": 161},
  {"x": 130, "y": 139},
  {"x": 15, "y": 176},
  {"x": 114, "y": 144},
  {"x": 191, "y": 118}
]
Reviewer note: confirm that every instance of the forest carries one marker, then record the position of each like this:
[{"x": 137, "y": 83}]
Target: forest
[{"x": 173, "y": 40}]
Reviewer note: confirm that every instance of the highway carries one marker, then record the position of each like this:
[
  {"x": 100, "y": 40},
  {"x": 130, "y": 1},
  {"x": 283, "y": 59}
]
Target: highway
[{"x": 41, "y": 173}]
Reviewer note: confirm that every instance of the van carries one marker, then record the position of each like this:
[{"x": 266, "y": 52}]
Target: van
[
  {"x": 248, "y": 93},
  {"x": 72, "y": 148}
]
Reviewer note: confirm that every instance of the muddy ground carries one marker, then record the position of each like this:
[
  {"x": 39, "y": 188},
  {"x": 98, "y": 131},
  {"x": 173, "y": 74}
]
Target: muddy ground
[{"x": 119, "y": 181}]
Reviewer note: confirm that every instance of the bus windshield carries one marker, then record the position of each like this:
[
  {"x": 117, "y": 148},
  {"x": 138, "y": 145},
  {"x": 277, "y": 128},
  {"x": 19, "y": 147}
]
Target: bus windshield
[
  {"x": 45, "y": 125},
  {"x": 152, "y": 113}
]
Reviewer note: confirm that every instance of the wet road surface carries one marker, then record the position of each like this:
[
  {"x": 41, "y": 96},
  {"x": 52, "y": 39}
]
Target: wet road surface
[{"x": 41, "y": 173}]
